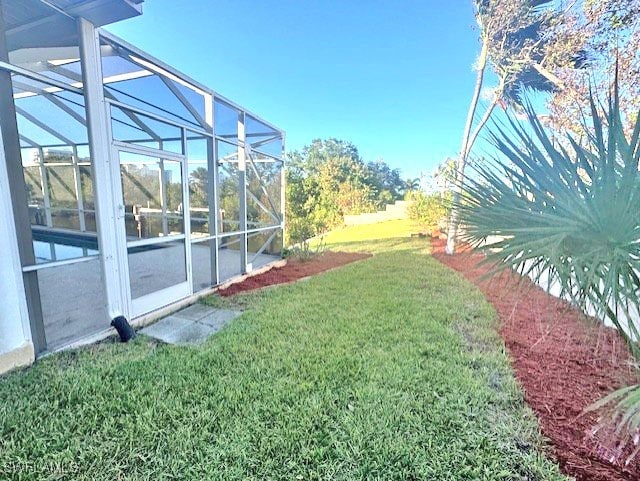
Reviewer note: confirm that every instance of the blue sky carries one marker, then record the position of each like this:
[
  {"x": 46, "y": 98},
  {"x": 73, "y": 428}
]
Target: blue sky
[{"x": 394, "y": 78}]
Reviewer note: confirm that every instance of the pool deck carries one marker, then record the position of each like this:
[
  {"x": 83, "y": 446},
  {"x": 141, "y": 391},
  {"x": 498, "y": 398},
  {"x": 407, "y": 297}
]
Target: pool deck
[{"x": 74, "y": 302}]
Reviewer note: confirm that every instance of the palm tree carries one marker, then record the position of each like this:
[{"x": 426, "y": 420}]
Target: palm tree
[
  {"x": 513, "y": 36},
  {"x": 568, "y": 215},
  {"x": 199, "y": 186},
  {"x": 411, "y": 185}
]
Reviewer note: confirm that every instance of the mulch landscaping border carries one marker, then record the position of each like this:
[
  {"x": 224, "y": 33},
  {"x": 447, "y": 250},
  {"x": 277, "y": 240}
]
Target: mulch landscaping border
[
  {"x": 564, "y": 362},
  {"x": 294, "y": 270}
]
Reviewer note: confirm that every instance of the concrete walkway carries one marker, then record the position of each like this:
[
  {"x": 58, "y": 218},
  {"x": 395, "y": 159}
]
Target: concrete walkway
[{"x": 192, "y": 325}]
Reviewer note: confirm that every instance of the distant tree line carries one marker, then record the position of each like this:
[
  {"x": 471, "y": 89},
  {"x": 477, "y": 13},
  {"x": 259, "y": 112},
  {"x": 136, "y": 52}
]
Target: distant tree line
[{"x": 328, "y": 179}]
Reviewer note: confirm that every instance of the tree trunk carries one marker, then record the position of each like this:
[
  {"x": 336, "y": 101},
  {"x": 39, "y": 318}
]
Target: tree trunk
[
  {"x": 485, "y": 118},
  {"x": 452, "y": 230}
]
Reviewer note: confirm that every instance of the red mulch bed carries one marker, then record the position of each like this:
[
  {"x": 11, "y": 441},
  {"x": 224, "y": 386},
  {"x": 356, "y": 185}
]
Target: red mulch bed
[
  {"x": 563, "y": 361},
  {"x": 294, "y": 269}
]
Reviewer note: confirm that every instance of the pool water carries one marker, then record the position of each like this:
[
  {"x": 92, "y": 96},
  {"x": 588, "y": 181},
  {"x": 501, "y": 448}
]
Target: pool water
[
  {"x": 50, "y": 246},
  {"x": 53, "y": 245},
  {"x": 51, "y": 251}
]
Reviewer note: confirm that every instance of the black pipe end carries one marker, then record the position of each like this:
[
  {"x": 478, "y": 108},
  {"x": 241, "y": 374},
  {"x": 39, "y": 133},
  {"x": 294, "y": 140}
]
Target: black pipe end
[{"x": 125, "y": 331}]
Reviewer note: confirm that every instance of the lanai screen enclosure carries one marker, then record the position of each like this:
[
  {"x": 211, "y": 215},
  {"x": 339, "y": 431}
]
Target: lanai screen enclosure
[{"x": 125, "y": 186}]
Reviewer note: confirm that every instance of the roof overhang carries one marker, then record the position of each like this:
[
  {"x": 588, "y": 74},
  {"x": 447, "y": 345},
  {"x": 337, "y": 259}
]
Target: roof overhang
[
  {"x": 104, "y": 12},
  {"x": 52, "y": 23}
]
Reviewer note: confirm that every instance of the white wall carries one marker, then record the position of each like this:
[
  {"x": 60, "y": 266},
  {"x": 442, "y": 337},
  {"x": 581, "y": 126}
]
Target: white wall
[
  {"x": 14, "y": 318},
  {"x": 555, "y": 290},
  {"x": 395, "y": 211}
]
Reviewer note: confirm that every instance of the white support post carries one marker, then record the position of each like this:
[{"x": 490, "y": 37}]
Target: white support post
[
  {"x": 44, "y": 184},
  {"x": 212, "y": 191},
  {"x": 242, "y": 186},
  {"x": 214, "y": 209},
  {"x": 19, "y": 202},
  {"x": 78, "y": 183},
  {"x": 162, "y": 179},
  {"x": 283, "y": 193},
  {"x": 186, "y": 209},
  {"x": 16, "y": 348},
  {"x": 106, "y": 174}
]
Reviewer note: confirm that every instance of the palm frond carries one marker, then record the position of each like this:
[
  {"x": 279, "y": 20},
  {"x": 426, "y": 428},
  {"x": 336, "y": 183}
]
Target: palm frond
[
  {"x": 574, "y": 207},
  {"x": 570, "y": 215}
]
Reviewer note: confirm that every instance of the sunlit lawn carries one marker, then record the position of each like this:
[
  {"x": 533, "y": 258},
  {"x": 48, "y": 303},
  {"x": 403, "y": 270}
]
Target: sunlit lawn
[{"x": 389, "y": 368}]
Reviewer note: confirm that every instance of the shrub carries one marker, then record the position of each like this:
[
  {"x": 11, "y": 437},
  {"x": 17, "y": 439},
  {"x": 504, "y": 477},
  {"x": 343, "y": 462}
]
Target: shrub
[
  {"x": 430, "y": 210},
  {"x": 300, "y": 233},
  {"x": 328, "y": 180},
  {"x": 568, "y": 212}
]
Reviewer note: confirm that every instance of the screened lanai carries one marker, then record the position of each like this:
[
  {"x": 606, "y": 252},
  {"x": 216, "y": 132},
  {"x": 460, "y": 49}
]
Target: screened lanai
[{"x": 140, "y": 187}]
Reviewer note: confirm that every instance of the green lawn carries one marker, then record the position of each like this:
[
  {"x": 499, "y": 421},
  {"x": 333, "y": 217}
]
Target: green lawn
[{"x": 389, "y": 368}]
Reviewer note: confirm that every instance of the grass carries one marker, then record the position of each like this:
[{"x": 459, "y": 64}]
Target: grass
[
  {"x": 386, "y": 369},
  {"x": 372, "y": 237}
]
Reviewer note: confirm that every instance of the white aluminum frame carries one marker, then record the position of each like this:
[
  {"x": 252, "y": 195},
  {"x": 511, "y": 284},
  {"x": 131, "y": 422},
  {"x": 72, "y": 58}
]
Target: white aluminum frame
[
  {"x": 106, "y": 172},
  {"x": 105, "y": 168},
  {"x": 150, "y": 302}
]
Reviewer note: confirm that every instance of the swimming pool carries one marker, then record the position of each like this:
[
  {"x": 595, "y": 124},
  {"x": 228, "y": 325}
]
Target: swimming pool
[
  {"x": 58, "y": 245},
  {"x": 50, "y": 246}
]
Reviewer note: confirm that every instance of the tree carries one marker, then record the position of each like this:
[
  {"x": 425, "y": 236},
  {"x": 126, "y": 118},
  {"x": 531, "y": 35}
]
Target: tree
[
  {"x": 325, "y": 180},
  {"x": 428, "y": 209},
  {"x": 386, "y": 183},
  {"x": 444, "y": 175},
  {"x": 519, "y": 39},
  {"x": 610, "y": 30},
  {"x": 411, "y": 185},
  {"x": 198, "y": 187},
  {"x": 328, "y": 179}
]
